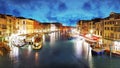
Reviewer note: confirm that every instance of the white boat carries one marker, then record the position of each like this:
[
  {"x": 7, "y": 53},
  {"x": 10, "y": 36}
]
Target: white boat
[{"x": 19, "y": 42}]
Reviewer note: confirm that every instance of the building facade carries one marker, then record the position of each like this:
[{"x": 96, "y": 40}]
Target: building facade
[
  {"x": 85, "y": 26},
  {"x": 108, "y": 28}
]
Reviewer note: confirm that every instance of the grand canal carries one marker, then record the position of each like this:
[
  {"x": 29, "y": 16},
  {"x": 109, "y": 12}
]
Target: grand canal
[{"x": 58, "y": 51}]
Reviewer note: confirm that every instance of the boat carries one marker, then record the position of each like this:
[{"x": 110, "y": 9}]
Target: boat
[
  {"x": 98, "y": 51},
  {"x": 18, "y": 43},
  {"x": 18, "y": 40},
  {"x": 38, "y": 43}
]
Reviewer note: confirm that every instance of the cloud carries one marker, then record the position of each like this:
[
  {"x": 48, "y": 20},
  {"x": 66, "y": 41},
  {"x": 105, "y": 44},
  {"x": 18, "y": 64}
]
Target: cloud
[
  {"x": 66, "y": 11},
  {"x": 4, "y": 8},
  {"x": 87, "y": 6},
  {"x": 16, "y": 12},
  {"x": 62, "y": 7}
]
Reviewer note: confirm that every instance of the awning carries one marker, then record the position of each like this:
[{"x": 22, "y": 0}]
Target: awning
[{"x": 95, "y": 37}]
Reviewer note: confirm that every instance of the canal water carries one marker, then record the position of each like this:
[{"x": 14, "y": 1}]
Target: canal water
[{"x": 58, "y": 51}]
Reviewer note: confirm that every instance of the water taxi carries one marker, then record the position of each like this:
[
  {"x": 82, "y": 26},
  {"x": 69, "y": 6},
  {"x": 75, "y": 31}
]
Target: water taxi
[{"x": 38, "y": 42}]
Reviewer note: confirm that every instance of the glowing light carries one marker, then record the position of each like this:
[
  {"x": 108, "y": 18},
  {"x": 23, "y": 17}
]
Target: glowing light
[
  {"x": 116, "y": 45},
  {"x": 91, "y": 31},
  {"x": 53, "y": 27},
  {"x": 36, "y": 58}
]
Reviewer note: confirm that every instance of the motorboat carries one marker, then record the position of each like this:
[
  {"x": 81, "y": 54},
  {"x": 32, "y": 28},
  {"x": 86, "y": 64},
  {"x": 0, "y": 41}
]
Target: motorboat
[
  {"x": 18, "y": 41},
  {"x": 38, "y": 42},
  {"x": 98, "y": 51}
]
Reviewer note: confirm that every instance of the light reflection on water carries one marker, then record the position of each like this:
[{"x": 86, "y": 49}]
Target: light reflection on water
[
  {"x": 14, "y": 54},
  {"x": 43, "y": 38},
  {"x": 83, "y": 51},
  {"x": 78, "y": 48},
  {"x": 29, "y": 49},
  {"x": 52, "y": 38},
  {"x": 90, "y": 59},
  {"x": 36, "y": 58}
]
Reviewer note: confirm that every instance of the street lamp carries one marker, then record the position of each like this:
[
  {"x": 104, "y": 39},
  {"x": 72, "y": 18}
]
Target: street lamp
[{"x": 91, "y": 32}]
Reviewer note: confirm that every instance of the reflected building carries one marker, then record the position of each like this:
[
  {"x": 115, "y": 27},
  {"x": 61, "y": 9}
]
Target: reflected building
[
  {"x": 82, "y": 49},
  {"x": 52, "y": 38}
]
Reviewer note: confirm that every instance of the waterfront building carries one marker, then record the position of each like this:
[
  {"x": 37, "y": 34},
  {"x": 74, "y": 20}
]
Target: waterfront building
[
  {"x": 37, "y": 26},
  {"x": 108, "y": 28},
  {"x": 85, "y": 26},
  {"x": 111, "y": 32},
  {"x": 25, "y": 25},
  {"x": 48, "y": 27},
  {"x": 3, "y": 27}
]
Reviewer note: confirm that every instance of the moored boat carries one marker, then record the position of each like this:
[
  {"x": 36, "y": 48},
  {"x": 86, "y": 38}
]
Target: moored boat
[{"x": 97, "y": 51}]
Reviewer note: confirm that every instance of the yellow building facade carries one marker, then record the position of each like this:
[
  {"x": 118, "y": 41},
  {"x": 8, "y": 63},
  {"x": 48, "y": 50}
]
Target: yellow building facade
[
  {"x": 111, "y": 30},
  {"x": 7, "y": 25},
  {"x": 85, "y": 26},
  {"x": 108, "y": 28},
  {"x": 24, "y": 26},
  {"x": 3, "y": 27}
]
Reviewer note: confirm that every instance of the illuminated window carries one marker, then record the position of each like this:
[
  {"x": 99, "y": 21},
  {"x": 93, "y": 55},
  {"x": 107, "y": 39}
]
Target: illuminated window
[{"x": 116, "y": 23}]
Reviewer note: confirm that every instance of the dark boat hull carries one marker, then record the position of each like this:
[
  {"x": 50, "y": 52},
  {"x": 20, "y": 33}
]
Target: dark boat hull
[{"x": 97, "y": 52}]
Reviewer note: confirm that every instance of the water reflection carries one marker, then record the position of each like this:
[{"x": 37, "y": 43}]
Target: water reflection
[
  {"x": 78, "y": 48},
  {"x": 82, "y": 48},
  {"x": 43, "y": 38},
  {"x": 29, "y": 49},
  {"x": 90, "y": 60},
  {"x": 36, "y": 58},
  {"x": 87, "y": 54},
  {"x": 14, "y": 54},
  {"x": 83, "y": 51},
  {"x": 52, "y": 38},
  {"x": 62, "y": 54}
]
